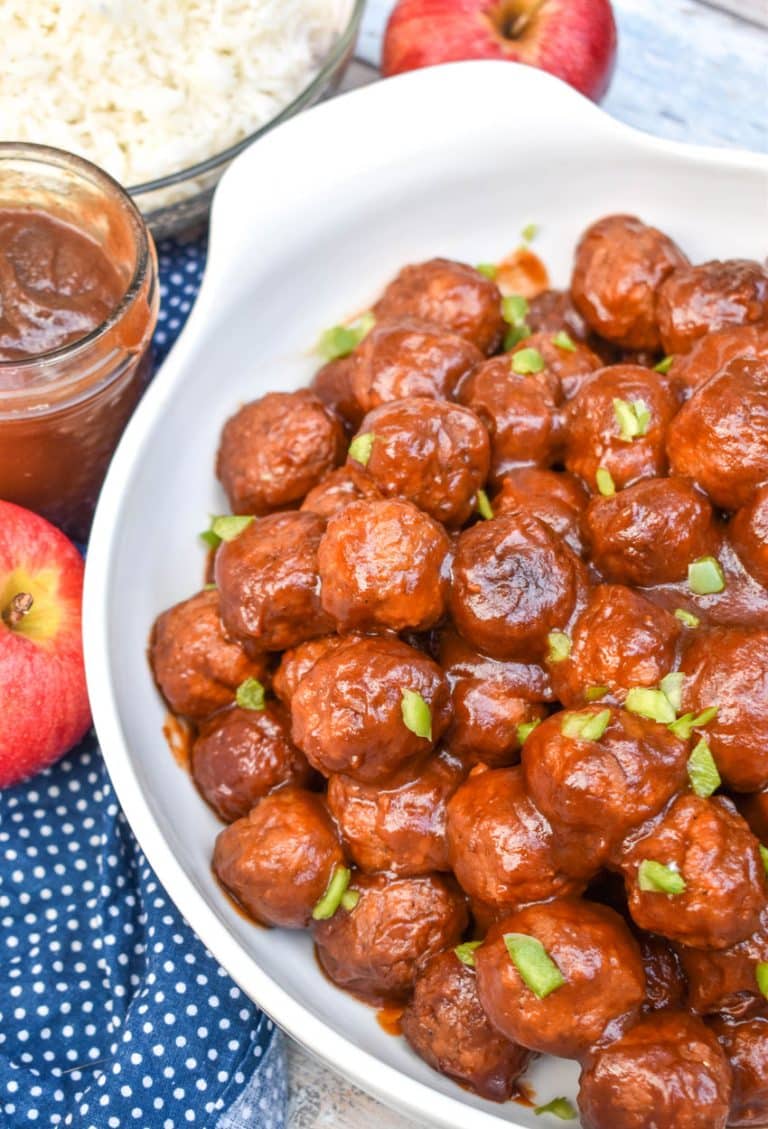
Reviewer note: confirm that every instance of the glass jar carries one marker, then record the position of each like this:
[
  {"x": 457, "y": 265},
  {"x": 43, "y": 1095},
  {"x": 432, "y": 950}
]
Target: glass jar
[{"x": 62, "y": 411}]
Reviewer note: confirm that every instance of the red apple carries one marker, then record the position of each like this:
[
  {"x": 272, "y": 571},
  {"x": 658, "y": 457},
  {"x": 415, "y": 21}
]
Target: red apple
[
  {"x": 573, "y": 39},
  {"x": 42, "y": 678}
]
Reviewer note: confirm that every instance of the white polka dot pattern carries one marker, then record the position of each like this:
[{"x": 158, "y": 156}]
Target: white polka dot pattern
[{"x": 112, "y": 1013}]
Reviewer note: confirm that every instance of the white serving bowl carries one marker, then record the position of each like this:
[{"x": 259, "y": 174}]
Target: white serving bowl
[{"x": 308, "y": 225}]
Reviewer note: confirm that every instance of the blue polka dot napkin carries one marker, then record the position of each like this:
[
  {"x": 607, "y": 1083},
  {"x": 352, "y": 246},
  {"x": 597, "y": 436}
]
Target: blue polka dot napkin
[{"x": 112, "y": 1013}]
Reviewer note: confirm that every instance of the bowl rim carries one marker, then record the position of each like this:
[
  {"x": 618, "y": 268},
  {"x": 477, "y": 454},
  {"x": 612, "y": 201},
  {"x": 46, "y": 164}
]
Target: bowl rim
[
  {"x": 331, "y": 61},
  {"x": 413, "y": 1097}
]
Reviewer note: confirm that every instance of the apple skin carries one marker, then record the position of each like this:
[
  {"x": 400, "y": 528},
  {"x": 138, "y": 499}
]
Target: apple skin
[
  {"x": 42, "y": 675},
  {"x": 572, "y": 39}
]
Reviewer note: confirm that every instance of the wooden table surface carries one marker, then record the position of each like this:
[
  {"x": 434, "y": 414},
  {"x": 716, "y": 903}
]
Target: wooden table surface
[{"x": 687, "y": 70}]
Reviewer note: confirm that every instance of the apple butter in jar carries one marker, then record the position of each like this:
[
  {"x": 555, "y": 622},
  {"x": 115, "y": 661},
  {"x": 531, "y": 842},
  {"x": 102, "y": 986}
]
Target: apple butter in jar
[{"x": 78, "y": 306}]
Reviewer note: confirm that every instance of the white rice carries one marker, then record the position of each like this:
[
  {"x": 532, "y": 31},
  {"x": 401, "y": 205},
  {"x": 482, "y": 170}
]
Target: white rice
[{"x": 149, "y": 87}]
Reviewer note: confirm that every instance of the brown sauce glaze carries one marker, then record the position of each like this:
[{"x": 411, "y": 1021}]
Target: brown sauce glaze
[{"x": 56, "y": 284}]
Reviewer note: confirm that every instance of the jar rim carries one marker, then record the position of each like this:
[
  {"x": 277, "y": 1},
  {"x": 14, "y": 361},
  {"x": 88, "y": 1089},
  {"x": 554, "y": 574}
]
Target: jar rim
[{"x": 47, "y": 155}]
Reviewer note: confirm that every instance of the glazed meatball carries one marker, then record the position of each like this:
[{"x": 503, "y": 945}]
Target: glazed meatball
[
  {"x": 619, "y": 640},
  {"x": 241, "y": 755},
  {"x": 297, "y": 662},
  {"x": 725, "y": 980},
  {"x": 447, "y": 1027},
  {"x": 520, "y": 412},
  {"x": 433, "y": 453},
  {"x": 594, "y": 790},
  {"x": 619, "y": 265},
  {"x": 552, "y": 311},
  {"x": 278, "y": 860},
  {"x": 499, "y": 843},
  {"x": 668, "y": 1070},
  {"x": 196, "y": 666},
  {"x": 406, "y": 358},
  {"x": 569, "y": 361},
  {"x": 333, "y": 385},
  {"x": 595, "y": 435},
  {"x": 599, "y": 964},
  {"x": 719, "y": 438},
  {"x": 651, "y": 532},
  {"x": 514, "y": 581},
  {"x": 727, "y": 667},
  {"x": 450, "y": 294},
  {"x": 554, "y": 497},
  {"x": 342, "y": 486},
  {"x": 269, "y": 584},
  {"x": 665, "y": 984},
  {"x": 695, "y": 300},
  {"x": 491, "y": 700},
  {"x": 376, "y": 949},
  {"x": 748, "y": 532},
  {"x": 384, "y": 565},
  {"x": 746, "y": 1047},
  {"x": 714, "y": 351},
  {"x": 722, "y": 892},
  {"x": 348, "y": 711},
  {"x": 398, "y": 826},
  {"x": 275, "y": 449}
]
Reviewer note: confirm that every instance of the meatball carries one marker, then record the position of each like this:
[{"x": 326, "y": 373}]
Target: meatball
[
  {"x": 665, "y": 984},
  {"x": 269, "y": 584},
  {"x": 619, "y": 640},
  {"x": 746, "y": 1047},
  {"x": 399, "y": 825},
  {"x": 196, "y": 667},
  {"x": 520, "y": 412},
  {"x": 749, "y": 535},
  {"x": 407, "y": 357},
  {"x": 570, "y": 362},
  {"x": 491, "y": 700},
  {"x": 596, "y": 789},
  {"x": 715, "y": 350},
  {"x": 241, "y": 755},
  {"x": 727, "y": 667},
  {"x": 349, "y": 711},
  {"x": 376, "y": 949},
  {"x": 275, "y": 449},
  {"x": 668, "y": 1070},
  {"x": 450, "y": 294},
  {"x": 278, "y": 860},
  {"x": 600, "y": 968},
  {"x": 514, "y": 581},
  {"x": 433, "y": 453},
  {"x": 725, "y": 980},
  {"x": 695, "y": 300},
  {"x": 651, "y": 532},
  {"x": 708, "y": 848},
  {"x": 552, "y": 311},
  {"x": 342, "y": 486},
  {"x": 446, "y": 1025},
  {"x": 499, "y": 843},
  {"x": 556, "y": 498},
  {"x": 600, "y": 420},
  {"x": 619, "y": 264},
  {"x": 720, "y": 437},
  {"x": 384, "y": 564},
  {"x": 333, "y": 385},
  {"x": 297, "y": 662}
]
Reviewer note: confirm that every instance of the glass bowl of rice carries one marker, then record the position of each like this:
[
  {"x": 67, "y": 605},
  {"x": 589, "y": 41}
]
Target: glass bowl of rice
[{"x": 163, "y": 94}]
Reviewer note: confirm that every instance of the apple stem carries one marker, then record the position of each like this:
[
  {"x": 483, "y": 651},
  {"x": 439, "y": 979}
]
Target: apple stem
[
  {"x": 19, "y": 606},
  {"x": 516, "y": 25}
]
